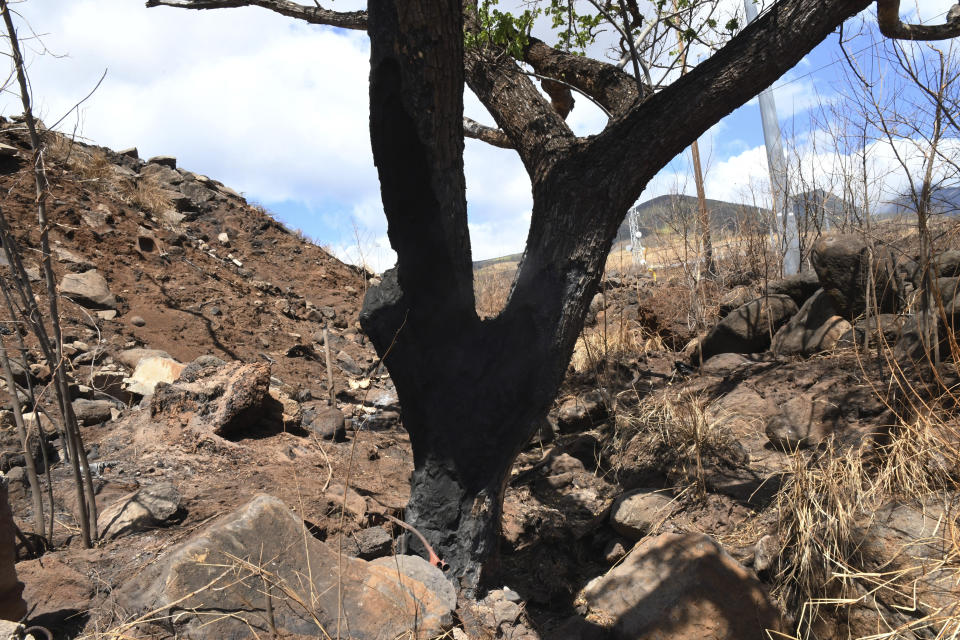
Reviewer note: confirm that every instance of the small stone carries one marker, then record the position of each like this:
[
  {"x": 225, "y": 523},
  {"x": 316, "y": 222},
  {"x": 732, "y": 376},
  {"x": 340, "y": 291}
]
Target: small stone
[
  {"x": 329, "y": 424},
  {"x": 142, "y": 509},
  {"x": 373, "y": 542},
  {"x": 765, "y": 552},
  {"x": 639, "y": 512},
  {"x": 137, "y": 321},
  {"x": 348, "y": 364},
  {"x": 614, "y": 551},
  {"x": 223, "y": 238}
]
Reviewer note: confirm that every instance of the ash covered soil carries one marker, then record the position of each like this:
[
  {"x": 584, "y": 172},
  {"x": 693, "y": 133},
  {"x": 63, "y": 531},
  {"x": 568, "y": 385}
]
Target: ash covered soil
[{"x": 204, "y": 277}]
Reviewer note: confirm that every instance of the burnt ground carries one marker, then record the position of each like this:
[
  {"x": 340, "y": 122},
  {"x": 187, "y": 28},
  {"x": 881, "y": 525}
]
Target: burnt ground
[{"x": 273, "y": 307}]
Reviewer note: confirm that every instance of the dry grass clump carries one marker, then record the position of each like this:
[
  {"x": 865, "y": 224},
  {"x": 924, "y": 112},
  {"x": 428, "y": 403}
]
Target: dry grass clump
[
  {"x": 682, "y": 434},
  {"x": 827, "y": 503},
  {"x": 93, "y": 167},
  {"x": 820, "y": 505},
  {"x": 603, "y": 345},
  {"x": 87, "y": 164},
  {"x": 147, "y": 196},
  {"x": 920, "y": 457}
]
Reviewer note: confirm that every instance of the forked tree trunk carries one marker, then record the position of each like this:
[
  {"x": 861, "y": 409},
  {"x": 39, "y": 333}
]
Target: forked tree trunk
[{"x": 471, "y": 390}]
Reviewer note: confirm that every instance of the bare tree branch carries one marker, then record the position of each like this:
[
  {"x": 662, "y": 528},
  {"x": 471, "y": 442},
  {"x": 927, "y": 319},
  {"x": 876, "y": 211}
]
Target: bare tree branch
[
  {"x": 314, "y": 15},
  {"x": 888, "y": 18},
  {"x": 490, "y": 135}
]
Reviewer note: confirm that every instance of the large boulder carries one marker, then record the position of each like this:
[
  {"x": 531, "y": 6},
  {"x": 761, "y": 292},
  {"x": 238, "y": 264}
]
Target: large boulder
[
  {"x": 749, "y": 328},
  {"x": 799, "y": 286},
  {"x": 222, "y": 582},
  {"x": 942, "y": 265},
  {"x": 843, "y": 266},
  {"x": 910, "y": 547},
  {"x": 225, "y": 400},
  {"x": 816, "y": 327},
  {"x": 682, "y": 587},
  {"x": 88, "y": 289}
]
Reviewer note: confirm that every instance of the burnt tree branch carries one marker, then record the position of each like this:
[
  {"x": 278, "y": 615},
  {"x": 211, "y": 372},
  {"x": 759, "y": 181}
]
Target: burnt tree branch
[
  {"x": 313, "y": 14},
  {"x": 888, "y": 19}
]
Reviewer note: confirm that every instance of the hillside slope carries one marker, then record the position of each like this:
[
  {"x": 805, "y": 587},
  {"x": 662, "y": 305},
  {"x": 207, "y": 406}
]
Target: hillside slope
[{"x": 156, "y": 234}]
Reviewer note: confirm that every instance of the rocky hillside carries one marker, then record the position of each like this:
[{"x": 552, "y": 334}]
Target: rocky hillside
[
  {"x": 683, "y": 486},
  {"x": 158, "y": 257}
]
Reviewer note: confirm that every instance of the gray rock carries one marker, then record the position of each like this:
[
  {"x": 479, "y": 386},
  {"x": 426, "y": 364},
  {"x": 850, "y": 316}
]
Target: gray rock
[
  {"x": 909, "y": 543},
  {"x": 11, "y": 447},
  {"x": 637, "y": 513},
  {"x": 724, "y": 364},
  {"x": 766, "y": 552},
  {"x": 682, "y": 587},
  {"x": 225, "y": 403},
  {"x": 329, "y": 424},
  {"x": 882, "y": 329},
  {"x": 143, "y": 509},
  {"x": 735, "y": 298},
  {"x": 8, "y": 628},
  {"x": 164, "y": 161},
  {"x": 346, "y": 362},
  {"x": 150, "y": 372},
  {"x": 843, "y": 267},
  {"x": 749, "y": 328},
  {"x": 803, "y": 421},
  {"x": 615, "y": 551},
  {"x": 162, "y": 175},
  {"x": 90, "y": 412},
  {"x": 942, "y": 265},
  {"x": 137, "y": 321},
  {"x": 224, "y": 569},
  {"x": 582, "y": 412},
  {"x": 799, "y": 286},
  {"x": 373, "y": 542},
  {"x": 202, "y": 367},
  {"x": 817, "y": 327},
  {"x": 199, "y": 194},
  {"x": 132, "y": 357},
  {"x": 89, "y": 289}
]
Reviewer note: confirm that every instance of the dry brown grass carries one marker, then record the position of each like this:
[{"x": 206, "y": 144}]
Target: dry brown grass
[
  {"x": 147, "y": 196},
  {"x": 684, "y": 436},
  {"x": 491, "y": 286},
  {"x": 93, "y": 167},
  {"x": 826, "y": 504}
]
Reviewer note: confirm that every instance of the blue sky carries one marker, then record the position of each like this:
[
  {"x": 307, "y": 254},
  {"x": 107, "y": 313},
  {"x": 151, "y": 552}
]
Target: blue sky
[{"x": 278, "y": 110}]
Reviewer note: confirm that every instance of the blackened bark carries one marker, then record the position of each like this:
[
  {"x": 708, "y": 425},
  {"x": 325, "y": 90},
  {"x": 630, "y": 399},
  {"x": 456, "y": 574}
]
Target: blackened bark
[{"x": 608, "y": 84}]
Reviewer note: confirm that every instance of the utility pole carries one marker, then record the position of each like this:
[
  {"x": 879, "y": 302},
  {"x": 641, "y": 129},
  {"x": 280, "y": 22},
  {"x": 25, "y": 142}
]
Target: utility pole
[
  {"x": 779, "y": 184},
  {"x": 703, "y": 216}
]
